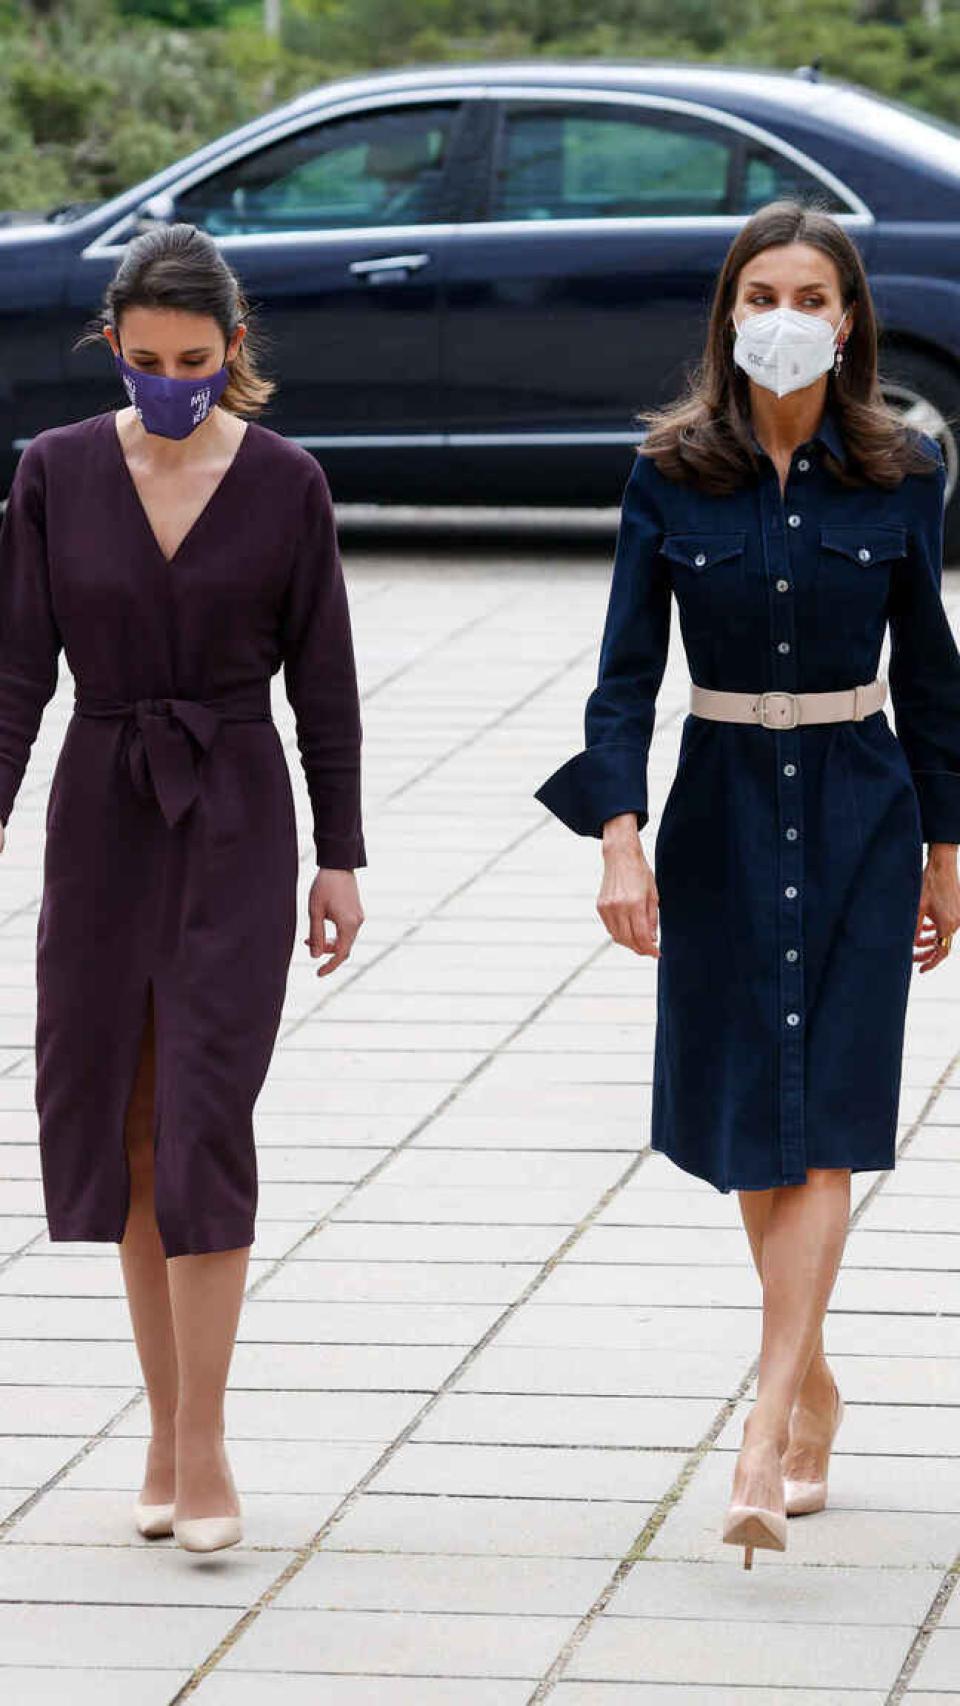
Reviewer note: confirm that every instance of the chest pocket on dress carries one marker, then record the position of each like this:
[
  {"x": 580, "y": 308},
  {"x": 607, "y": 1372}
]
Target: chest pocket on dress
[
  {"x": 853, "y": 572},
  {"x": 866, "y": 546},
  {"x": 708, "y": 575}
]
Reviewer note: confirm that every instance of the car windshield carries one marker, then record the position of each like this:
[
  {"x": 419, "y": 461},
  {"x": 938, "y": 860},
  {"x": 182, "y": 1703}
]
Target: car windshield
[{"x": 65, "y": 211}]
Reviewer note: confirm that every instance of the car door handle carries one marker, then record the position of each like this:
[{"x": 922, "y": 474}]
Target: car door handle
[{"x": 388, "y": 264}]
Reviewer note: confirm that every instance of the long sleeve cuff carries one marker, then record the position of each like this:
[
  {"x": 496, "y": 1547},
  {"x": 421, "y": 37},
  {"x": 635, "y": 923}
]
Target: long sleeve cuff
[
  {"x": 340, "y": 853},
  {"x": 939, "y": 794},
  {"x": 10, "y": 779},
  {"x": 597, "y": 784}
]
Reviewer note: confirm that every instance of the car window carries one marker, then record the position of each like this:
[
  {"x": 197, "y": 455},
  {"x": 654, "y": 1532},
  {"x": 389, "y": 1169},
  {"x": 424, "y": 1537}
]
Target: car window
[
  {"x": 768, "y": 175},
  {"x": 381, "y": 168},
  {"x": 581, "y": 162}
]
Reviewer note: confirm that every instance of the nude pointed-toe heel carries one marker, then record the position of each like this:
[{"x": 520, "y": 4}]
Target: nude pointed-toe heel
[
  {"x": 153, "y": 1520},
  {"x": 208, "y": 1533},
  {"x": 802, "y": 1498},
  {"x": 754, "y": 1525}
]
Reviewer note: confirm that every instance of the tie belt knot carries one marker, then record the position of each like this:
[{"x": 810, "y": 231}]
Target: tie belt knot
[{"x": 167, "y": 736}]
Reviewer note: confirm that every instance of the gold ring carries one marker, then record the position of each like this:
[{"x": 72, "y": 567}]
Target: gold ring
[{"x": 945, "y": 941}]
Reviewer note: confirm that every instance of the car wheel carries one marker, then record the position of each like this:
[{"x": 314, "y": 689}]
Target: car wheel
[{"x": 927, "y": 394}]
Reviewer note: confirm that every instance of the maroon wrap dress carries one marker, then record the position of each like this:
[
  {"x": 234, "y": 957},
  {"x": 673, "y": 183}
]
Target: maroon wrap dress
[{"x": 170, "y": 854}]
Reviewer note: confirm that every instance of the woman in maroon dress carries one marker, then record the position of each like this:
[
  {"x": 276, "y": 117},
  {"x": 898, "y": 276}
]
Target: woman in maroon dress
[{"x": 180, "y": 555}]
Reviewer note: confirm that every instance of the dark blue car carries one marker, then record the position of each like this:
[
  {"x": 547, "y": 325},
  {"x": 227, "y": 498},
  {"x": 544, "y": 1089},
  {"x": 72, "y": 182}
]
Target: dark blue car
[{"x": 473, "y": 277}]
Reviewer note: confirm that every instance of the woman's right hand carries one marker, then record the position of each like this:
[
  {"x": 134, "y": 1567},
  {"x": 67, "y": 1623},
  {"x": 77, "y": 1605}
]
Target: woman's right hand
[{"x": 628, "y": 901}]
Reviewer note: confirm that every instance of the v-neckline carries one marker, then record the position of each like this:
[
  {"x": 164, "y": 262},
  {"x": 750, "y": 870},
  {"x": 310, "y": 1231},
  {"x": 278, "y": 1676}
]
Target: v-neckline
[{"x": 199, "y": 517}]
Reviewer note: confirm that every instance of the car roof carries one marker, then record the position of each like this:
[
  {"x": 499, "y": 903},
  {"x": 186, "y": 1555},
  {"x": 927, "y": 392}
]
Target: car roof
[
  {"x": 760, "y": 93},
  {"x": 619, "y": 74}
]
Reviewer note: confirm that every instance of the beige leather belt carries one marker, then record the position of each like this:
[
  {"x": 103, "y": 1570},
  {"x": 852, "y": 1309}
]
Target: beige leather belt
[{"x": 777, "y": 709}]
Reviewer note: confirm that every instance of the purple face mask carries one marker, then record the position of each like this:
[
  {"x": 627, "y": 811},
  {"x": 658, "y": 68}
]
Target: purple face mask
[{"x": 171, "y": 407}]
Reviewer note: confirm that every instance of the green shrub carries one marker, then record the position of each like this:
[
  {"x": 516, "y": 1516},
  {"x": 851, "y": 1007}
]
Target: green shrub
[{"x": 54, "y": 103}]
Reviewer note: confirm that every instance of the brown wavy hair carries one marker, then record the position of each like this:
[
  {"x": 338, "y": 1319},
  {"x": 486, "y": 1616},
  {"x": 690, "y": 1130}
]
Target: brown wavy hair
[
  {"x": 703, "y": 438},
  {"x": 179, "y": 266}
]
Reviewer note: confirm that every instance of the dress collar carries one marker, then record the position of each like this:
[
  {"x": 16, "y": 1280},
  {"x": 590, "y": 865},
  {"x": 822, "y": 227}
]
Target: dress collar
[{"x": 828, "y": 434}]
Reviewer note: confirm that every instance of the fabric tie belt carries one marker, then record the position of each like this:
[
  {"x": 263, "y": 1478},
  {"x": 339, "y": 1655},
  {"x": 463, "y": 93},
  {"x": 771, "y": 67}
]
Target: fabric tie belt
[
  {"x": 777, "y": 709},
  {"x": 167, "y": 734}
]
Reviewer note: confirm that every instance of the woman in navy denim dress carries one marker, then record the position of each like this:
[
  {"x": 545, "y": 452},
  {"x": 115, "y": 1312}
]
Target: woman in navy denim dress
[{"x": 793, "y": 516}]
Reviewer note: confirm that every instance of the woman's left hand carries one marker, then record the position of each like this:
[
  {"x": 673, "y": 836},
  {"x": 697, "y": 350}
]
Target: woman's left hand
[
  {"x": 939, "y": 913},
  {"x": 334, "y": 898}
]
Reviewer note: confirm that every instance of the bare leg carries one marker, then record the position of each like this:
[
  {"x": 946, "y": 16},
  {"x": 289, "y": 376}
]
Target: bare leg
[
  {"x": 206, "y": 1293},
  {"x": 816, "y": 1387},
  {"x": 798, "y": 1233},
  {"x": 144, "y": 1267},
  {"x": 814, "y": 1411}
]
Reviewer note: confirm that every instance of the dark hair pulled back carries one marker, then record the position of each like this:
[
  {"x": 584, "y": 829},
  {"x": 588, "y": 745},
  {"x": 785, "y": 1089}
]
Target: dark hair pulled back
[{"x": 178, "y": 266}]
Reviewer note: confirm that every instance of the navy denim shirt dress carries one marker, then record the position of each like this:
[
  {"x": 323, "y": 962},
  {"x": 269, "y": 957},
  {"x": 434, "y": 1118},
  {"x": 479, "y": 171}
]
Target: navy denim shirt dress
[{"x": 788, "y": 862}]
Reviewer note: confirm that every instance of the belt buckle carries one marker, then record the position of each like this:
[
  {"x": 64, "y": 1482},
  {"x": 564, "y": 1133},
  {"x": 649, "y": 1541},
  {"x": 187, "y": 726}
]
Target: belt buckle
[{"x": 779, "y": 693}]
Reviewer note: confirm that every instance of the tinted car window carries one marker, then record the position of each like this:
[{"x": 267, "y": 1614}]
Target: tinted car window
[
  {"x": 374, "y": 169},
  {"x": 767, "y": 175},
  {"x": 577, "y": 162}
]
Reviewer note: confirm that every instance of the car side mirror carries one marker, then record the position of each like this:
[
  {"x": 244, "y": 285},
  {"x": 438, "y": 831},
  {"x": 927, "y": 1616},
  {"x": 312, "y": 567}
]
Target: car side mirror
[{"x": 158, "y": 209}]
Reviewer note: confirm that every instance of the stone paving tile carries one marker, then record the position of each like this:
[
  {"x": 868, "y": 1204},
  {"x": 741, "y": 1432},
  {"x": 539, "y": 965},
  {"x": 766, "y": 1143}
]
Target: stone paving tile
[
  {"x": 52, "y": 1685},
  {"x": 604, "y": 1693},
  {"x": 523, "y": 1526},
  {"x": 62, "y": 1410},
  {"x": 345, "y": 1282},
  {"x": 786, "y": 1592},
  {"x": 233, "y": 1689},
  {"x": 487, "y": 1057},
  {"x": 615, "y": 1371},
  {"x": 649, "y": 1325},
  {"x": 481, "y": 1584},
  {"x": 939, "y": 1668},
  {"x": 351, "y": 1417},
  {"x": 369, "y": 1243},
  {"x": 911, "y": 1430},
  {"x": 530, "y": 1418},
  {"x": 550, "y": 1472},
  {"x": 400, "y": 1368},
  {"x": 273, "y": 1321},
  {"x": 740, "y": 1653},
  {"x": 174, "y": 1636},
  {"x": 561, "y": 1208},
  {"x": 85, "y": 1574},
  {"x": 426, "y": 1644}
]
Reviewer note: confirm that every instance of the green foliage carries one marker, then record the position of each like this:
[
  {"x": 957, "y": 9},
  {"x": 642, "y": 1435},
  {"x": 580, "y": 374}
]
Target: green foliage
[
  {"x": 188, "y": 14},
  {"x": 53, "y": 102},
  {"x": 98, "y": 94}
]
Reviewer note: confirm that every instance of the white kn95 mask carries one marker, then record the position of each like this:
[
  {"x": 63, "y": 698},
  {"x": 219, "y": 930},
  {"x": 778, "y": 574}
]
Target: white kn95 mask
[{"x": 785, "y": 349}]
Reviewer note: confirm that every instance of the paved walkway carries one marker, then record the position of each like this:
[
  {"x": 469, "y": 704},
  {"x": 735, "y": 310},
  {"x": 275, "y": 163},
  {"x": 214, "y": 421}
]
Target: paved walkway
[{"x": 492, "y": 1368}]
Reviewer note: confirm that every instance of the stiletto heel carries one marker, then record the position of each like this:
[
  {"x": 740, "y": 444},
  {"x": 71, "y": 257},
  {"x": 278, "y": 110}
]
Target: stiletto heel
[
  {"x": 802, "y": 1498},
  {"x": 750, "y": 1526}
]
